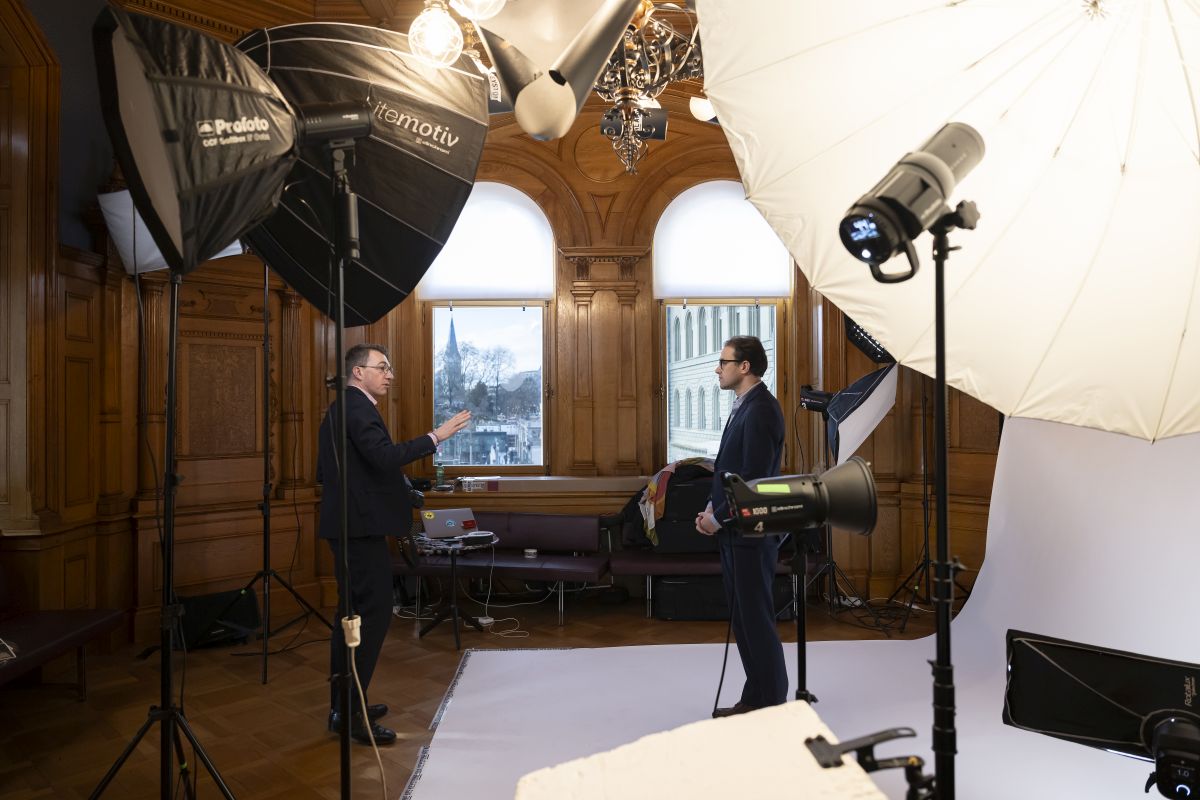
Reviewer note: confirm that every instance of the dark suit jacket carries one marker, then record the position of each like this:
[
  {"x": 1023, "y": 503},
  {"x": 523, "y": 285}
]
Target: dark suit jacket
[
  {"x": 751, "y": 446},
  {"x": 380, "y": 504}
]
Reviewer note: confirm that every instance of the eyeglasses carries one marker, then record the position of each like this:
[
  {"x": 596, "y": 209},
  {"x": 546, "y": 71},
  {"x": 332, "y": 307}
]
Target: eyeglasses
[
  {"x": 384, "y": 368},
  {"x": 721, "y": 362}
]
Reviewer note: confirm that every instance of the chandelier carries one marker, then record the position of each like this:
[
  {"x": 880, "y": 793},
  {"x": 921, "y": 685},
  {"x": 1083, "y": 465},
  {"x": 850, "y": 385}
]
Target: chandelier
[{"x": 651, "y": 55}]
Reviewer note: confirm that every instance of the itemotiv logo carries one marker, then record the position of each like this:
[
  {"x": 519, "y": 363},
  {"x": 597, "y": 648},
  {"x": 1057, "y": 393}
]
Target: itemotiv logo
[
  {"x": 436, "y": 136},
  {"x": 219, "y": 132}
]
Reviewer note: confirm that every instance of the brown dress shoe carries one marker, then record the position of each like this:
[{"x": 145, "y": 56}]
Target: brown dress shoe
[{"x": 737, "y": 708}]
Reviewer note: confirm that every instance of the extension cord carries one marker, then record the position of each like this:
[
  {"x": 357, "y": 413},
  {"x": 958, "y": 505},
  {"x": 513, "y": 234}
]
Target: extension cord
[{"x": 485, "y": 621}]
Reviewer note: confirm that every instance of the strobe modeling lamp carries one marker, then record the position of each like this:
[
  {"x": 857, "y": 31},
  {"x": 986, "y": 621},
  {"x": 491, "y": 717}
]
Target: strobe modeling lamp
[
  {"x": 843, "y": 497},
  {"x": 910, "y": 199}
]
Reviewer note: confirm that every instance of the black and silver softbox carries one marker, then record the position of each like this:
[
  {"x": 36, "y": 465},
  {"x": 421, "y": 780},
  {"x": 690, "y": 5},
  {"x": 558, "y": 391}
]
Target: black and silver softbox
[
  {"x": 415, "y": 170},
  {"x": 204, "y": 139}
]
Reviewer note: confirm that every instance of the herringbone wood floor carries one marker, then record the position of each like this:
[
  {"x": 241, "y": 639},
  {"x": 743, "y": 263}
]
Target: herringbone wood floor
[{"x": 270, "y": 741}]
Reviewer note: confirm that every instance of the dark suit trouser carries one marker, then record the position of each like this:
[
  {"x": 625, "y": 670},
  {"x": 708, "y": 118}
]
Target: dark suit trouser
[
  {"x": 748, "y": 569},
  {"x": 371, "y": 595}
]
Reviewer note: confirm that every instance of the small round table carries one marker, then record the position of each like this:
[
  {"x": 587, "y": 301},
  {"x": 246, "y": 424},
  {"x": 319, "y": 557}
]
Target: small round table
[{"x": 452, "y": 548}]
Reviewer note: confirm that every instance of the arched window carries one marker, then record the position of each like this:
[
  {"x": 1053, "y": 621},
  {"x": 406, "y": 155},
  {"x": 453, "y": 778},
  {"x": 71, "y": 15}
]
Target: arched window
[
  {"x": 675, "y": 346},
  {"x": 737, "y": 322},
  {"x": 488, "y": 291},
  {"x": 689, "y": 324},
  {"x": 700, "y": 421},
  {"x": 703, "y": 333},
  {"x": 704, "y": 230},
  {"x": 675, "y": 408},
  {"x": 687, "y": 409},
  {"x": 754, "y": 320},
  {"x": 718, "y": 334},
  {"x": 716, "y": 409}
]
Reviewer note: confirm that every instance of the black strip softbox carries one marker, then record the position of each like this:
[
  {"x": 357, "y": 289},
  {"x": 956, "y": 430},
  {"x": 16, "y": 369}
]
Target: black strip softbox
[
  {"x": 204, "y": 139},
  {"x": 1095, "y": 696},
  {"x": 412, "y": 175}
]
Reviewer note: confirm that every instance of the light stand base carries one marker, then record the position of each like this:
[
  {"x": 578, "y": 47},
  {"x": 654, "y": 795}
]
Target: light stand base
[{"x": 174, "y": 717}]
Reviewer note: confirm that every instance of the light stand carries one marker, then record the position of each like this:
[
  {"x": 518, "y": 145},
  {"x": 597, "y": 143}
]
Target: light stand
[
  {"x": 829, "y": 566},
  {"x": 799, "y": 567},
  {"x": 919, "y": 576},
  {"x": 944, "y": 736},
  {"x": 268, "y": 572},
  {"x": 166, "y": 712},
  {"x": 346, "y": 242}
]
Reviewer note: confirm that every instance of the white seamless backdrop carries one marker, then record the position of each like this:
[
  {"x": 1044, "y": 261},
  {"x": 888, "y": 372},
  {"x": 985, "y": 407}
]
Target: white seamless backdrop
[{"x": 1092, "y": 537}]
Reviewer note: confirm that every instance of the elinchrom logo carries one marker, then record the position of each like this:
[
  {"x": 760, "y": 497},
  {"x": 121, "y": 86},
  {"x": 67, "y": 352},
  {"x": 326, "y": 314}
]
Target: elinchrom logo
[
  {"x": 215, "y": 132},
  {"x": 1189, "y": 690}
]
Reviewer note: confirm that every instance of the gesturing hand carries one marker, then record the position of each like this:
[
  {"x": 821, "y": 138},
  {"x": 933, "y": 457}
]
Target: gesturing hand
[{"x": 452, "y": 425}]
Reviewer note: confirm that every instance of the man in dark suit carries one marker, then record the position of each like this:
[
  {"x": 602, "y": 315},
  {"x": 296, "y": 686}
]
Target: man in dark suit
[
  {"x": 752, "y": 447},
  {"x": 379, "y": 505}
]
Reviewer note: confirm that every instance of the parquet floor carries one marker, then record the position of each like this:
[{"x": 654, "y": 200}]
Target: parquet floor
[{"x": 270, "y": 741}]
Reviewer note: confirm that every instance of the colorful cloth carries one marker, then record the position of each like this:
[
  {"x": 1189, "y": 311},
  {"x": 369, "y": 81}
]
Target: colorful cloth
[{"x": 654, "y": 498}]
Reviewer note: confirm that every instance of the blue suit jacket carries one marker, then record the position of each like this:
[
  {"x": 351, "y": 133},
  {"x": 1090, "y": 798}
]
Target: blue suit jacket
[
  {"x": 380, "y": 504},
  {"x": 751, "y": 446}
]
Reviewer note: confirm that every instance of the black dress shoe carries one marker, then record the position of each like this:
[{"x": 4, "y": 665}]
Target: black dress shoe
[
  {"x": 382, "y": 736},
  {"x": 374, "y": 712},
  {"x": 734, "y": 710}
]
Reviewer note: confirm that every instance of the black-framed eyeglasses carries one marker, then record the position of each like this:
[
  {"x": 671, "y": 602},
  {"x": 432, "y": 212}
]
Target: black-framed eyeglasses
[
  {"x": 721, "y": 362},
  {"x": 384, "y": 368}
]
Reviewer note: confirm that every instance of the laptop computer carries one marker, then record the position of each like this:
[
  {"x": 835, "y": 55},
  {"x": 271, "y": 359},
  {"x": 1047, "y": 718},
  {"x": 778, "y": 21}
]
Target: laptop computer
[{"x": 447, "y": 523}]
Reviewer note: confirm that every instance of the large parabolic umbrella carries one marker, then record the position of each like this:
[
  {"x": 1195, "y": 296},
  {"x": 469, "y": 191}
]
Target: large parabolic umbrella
[
  {"x": 1076, "y": 299},
  {"x": 412, "y": 175}
]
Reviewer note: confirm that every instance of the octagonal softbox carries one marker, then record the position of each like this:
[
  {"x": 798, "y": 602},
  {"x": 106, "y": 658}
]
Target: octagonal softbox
[
  {"x": 412, "y": 175},
  {"x": 203, "y": 138}
]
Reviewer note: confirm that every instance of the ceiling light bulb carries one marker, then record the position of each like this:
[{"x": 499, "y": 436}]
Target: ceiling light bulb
[
  {"x": 435, "y": 36},
  {"x": 478, "y": 9}
]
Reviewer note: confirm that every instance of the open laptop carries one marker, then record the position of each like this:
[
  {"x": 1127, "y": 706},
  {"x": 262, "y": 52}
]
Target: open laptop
[{"x": 447, "y": 523}]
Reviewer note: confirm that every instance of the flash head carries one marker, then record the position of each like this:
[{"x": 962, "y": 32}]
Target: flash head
[
  {"x": 909, "y": 199},
  {"x": 843, "y": 497}
]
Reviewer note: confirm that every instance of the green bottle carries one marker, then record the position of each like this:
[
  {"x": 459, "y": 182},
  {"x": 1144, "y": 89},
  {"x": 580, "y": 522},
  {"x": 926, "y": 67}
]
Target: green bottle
[{"x": 441, "y": 474}]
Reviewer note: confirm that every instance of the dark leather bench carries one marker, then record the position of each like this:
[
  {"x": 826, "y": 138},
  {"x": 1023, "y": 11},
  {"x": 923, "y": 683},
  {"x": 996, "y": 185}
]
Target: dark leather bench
[
  {"x": 38, "y": 637},
  {"x": 652, "y": 564},
  {"x": 568, "y": 550}
]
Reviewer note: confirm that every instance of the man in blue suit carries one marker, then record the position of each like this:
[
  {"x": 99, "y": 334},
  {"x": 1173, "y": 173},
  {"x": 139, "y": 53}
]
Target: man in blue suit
[
  {"x": 752, "y": 447},
  {"x": 380, "y": 505}
]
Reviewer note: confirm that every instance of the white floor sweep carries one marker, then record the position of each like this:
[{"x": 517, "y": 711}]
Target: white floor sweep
[{"x": 1092, "y": 537}]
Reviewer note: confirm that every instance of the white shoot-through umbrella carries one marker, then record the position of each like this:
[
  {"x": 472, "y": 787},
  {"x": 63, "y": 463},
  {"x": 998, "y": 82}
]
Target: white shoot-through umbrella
[{"x": 1076, "y": 298}]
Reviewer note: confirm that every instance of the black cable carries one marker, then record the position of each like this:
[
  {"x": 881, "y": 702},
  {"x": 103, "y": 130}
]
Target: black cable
[{"x": 728, "y": 629}]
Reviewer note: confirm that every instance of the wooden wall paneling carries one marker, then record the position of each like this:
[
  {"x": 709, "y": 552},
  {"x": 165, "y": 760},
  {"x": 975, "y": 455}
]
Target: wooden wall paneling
[
  {"x": 28, "y": 171},
  {"x": 220, "y": 428},
  {"x": 118, "y": 395},
  {"x": 152, "y": 388},
  {"x": 578, "y": 330},
  {"x": 79, "y": 339}
]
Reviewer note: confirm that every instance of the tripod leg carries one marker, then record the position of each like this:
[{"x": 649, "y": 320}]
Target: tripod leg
[
  {"x": 189, "y": 787},
  {"x": 802, "y": 693},
  {"x": 182, "y": 724},
  {"x": 307, "y": 606},
  {"x": 121, "y": 759}
]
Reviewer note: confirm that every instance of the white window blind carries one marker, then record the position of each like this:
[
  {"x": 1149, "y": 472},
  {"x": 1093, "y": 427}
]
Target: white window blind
[
  {"x": 711, "y": 242},
  {"x": 502, "y": 248}
]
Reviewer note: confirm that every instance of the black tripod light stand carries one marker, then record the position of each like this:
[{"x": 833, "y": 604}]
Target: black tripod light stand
[
  {"x": 839, "y": 584},
  {"x": 910, "y": 199},
  {"x": 916, "y": 583},
  {"x": 268, "y": 572},
  {"x": 169, "y": 715}
]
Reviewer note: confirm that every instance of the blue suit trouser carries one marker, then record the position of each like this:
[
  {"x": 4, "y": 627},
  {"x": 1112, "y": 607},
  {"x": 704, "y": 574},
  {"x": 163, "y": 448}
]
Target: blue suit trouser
[{"x": 748, "y": 569}]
